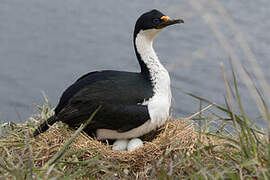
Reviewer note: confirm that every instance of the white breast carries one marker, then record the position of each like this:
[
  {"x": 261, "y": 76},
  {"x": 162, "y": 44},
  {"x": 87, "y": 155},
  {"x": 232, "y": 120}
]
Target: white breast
[{"x": 159, "y": 104}]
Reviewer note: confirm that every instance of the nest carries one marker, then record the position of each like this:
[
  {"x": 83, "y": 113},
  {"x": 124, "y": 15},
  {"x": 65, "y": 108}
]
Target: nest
[
  {"x": 174, "y": 138},
  {"x": 175, "y": 135}
]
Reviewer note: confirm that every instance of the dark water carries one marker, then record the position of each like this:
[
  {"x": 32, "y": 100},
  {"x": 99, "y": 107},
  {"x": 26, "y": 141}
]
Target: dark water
[{"x": 47, "y": 45}]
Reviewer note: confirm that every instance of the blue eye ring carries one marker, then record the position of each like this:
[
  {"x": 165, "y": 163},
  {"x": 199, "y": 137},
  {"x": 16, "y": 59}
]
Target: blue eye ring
[{"x": 156, "y": 21}]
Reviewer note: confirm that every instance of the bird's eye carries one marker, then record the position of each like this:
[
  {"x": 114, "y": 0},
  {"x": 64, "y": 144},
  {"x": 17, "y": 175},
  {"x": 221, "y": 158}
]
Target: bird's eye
[{"x": 156, "y": 21}]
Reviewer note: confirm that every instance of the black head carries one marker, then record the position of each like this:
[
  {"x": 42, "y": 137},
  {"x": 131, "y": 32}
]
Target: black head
[{"x": 154, "y": 20}]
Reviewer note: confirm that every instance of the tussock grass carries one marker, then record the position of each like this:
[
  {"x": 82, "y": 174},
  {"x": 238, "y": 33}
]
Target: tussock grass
[
  {"x": 233, "y": 148},
  {"x": 224, "y": 144}
]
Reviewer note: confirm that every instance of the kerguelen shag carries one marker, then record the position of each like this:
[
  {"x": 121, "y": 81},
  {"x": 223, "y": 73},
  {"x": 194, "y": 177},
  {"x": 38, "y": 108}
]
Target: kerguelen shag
[{"x": 132, "y": 104}]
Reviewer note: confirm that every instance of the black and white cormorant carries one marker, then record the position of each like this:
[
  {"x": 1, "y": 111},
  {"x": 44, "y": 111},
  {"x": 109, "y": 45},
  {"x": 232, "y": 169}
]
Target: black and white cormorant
[{"x": 132, "y": 104}]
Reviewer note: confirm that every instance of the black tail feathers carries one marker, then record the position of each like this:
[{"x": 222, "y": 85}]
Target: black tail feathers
[{"x": 45, "y": 125}]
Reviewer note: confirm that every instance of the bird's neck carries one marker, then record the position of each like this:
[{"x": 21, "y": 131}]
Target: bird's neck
[{"x": 149, "y": 62}]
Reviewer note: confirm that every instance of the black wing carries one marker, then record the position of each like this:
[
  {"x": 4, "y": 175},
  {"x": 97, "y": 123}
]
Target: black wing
[{"x": 119, "y": 94}]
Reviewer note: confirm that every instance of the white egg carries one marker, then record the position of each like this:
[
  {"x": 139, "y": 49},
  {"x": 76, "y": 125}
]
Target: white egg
[
  {"x": 120, "y": 145},
  {"x": 134, "y": 144}
]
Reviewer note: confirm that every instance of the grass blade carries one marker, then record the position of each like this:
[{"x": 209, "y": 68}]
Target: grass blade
[{"x": 60, "y": 153}]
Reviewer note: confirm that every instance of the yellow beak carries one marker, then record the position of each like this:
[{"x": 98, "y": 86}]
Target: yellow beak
[{"x": 165, "y": 18}]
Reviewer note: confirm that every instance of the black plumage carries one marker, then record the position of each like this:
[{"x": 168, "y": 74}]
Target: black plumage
[
  {"x": 120, "y": 94},
  {"x": 121, "y": 110}
]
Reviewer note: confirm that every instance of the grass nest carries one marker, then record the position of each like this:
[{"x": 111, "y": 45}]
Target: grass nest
[{"x": 175, "y": 135}]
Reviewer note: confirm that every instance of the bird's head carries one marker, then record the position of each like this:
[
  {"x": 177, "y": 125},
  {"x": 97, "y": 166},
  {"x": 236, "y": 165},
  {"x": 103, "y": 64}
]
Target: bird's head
[{"x": 152, "y": 22}]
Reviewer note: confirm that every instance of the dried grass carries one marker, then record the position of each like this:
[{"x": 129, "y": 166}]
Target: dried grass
[
  {"x": 175, "y": 135},
  {"x": 174, "y": 132},
  {"x": 175, "y": 147}
]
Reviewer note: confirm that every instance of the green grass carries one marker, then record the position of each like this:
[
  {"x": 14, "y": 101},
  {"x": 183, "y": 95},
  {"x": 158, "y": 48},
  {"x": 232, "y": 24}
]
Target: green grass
[{"x": 238, "y": 149}]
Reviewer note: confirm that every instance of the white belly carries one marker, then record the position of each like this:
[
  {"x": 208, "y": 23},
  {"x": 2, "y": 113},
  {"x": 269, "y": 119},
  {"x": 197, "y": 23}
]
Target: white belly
[
  {"x": 159, "y": 110},
  {"x": 136, "y": 132}
]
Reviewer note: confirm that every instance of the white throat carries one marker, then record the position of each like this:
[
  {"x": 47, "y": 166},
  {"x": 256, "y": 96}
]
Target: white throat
[{"x": 159, "y": 104}]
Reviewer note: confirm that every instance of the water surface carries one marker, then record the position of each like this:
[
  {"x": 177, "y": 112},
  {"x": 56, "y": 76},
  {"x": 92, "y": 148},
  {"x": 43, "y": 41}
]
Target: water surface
[{"x": 47, "y": 45}]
